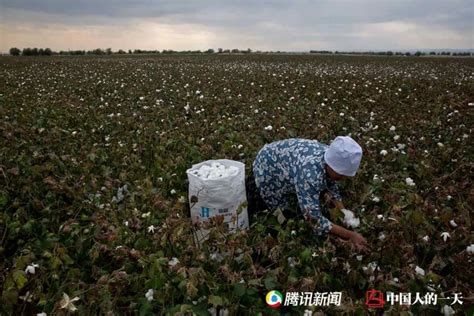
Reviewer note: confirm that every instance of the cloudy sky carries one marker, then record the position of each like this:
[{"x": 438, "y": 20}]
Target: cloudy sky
[{"x": 292, "y": 25}]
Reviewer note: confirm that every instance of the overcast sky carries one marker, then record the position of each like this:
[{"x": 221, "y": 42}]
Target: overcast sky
[{"x": 292, "y": 25}]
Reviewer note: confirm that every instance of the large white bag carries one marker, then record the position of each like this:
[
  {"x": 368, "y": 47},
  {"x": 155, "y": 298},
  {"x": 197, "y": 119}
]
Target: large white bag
[{"x": 218, "y": 196}]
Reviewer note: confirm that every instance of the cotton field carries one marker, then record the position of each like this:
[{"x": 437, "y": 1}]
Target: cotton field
[{"x": 93, "y": 189}]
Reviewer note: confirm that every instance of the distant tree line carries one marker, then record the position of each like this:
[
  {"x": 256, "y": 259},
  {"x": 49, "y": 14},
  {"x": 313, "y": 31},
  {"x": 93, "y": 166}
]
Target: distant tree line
[
  {"x": 31, "y": 51},
  {"x": 108, "y": 51},
  {"x": 391, "y": 53}
]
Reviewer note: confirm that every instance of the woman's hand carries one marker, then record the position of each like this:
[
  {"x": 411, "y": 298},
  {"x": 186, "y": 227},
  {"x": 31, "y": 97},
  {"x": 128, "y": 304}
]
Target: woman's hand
[
  {"x": 354, "y": 238},
  {"x": 359, "y": 242}
]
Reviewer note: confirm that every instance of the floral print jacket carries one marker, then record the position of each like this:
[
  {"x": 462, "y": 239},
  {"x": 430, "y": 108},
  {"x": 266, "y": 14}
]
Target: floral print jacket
[{"x": 295, "y": 166}]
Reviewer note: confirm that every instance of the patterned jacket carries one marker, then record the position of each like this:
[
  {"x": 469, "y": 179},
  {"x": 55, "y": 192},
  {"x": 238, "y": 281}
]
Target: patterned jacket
[{"x": 295, "y": 166}]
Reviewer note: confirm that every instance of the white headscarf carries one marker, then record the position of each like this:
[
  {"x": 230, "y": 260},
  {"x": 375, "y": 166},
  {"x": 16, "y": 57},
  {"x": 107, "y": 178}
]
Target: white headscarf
[{"x": 343, "y": 156}]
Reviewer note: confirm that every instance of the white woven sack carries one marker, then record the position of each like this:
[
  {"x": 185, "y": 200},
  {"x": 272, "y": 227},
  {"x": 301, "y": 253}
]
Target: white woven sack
[{"x": 221, "y": 196}]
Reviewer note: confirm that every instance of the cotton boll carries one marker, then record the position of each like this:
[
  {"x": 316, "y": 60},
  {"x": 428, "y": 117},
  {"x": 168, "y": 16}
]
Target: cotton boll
[
  {"x": 445, "y": 236},
  {"x": 447, "y": 310},
  {"x": 291, "y": 262},
  {"x": 354, "y": 223},
  {"x": 174, "y": 261},
  {"x": 31, "y": 269},
  {"x": 347, "y": 214},
  {"x": 470, "y": 249},
  {"x": 371, "y": 267},
  {"x": 205, "y": 168},
  {"x": 349, "y": 219},
  {"x": 149, "y": 295},
  {"x": 216, "y": 171},
  {"x": 419, "y": 270},
  {"x": 308, "y": 312},
  {"x": 409, "y": 182}
]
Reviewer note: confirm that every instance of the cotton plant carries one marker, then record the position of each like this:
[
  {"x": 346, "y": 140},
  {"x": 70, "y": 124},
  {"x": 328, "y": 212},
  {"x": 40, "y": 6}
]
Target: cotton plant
[{"x": 131, "y": 136}]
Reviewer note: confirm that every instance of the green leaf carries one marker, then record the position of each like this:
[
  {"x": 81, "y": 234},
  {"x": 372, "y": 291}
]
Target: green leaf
[
  {"x": 20, "y": 278},
  {"x": 215, "y": 300},
  {"x": 279, "y": 214},
  {"x": 417, "y": 217},
  {"x": 241, "y": 207},
  {"x": 335, "y": 214},
  {"x": 3, "y": 199},
  {"x": 201, "y": 309},
  {"x": 305, "y": 255},
  {"x": 55, "y": 263},
  {"x": 254, "y": 282},
  {"x": 240, "y": 289},
  {"x": 10, "y": 296},
  {"x": 270, "y": 283},
  {"x": 145, "y": 308}
]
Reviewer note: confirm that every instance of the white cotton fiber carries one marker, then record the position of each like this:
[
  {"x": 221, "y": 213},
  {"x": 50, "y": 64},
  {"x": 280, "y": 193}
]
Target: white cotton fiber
[
  {"x": 215, "y": 171},
  {"x": 349, "y": 219},
  {"x": 470, "y": 249}
]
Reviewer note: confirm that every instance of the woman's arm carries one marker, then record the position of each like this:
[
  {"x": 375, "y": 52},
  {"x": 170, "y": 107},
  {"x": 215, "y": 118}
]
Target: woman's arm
[
  {"x": 341, "y": 232},
  {"x": 329, "y": 198}
]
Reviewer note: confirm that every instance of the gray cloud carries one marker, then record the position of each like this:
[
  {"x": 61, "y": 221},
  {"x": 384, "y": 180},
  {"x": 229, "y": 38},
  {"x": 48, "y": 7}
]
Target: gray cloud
[{"x": 292, "y": 25}]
